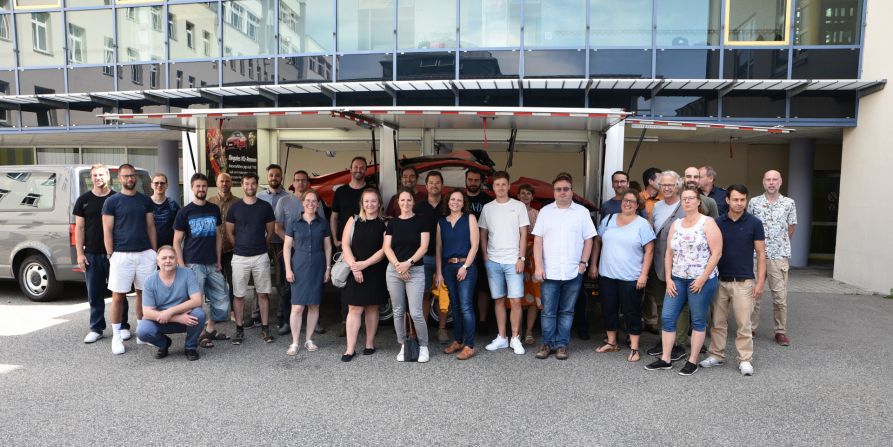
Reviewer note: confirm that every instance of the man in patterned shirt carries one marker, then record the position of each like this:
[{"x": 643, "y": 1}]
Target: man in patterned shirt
[{"x": 779, "y": 216}]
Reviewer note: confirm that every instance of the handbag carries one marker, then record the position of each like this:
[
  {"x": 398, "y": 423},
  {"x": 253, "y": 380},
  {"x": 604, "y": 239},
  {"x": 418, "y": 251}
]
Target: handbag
[
  {"x": 411, "y": 344},
  {"x": 340, "y": 268}
]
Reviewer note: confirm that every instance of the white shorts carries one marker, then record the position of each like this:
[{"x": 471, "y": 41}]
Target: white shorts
[
  {"x": 244, "y": 267},
  {"x": 130, "y": 269}
]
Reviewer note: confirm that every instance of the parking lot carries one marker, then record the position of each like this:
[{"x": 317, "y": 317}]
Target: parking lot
[{"x": 832, "y": 386}]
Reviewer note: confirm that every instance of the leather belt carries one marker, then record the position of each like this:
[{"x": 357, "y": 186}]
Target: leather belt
[
  {"x": 455, "y": 260},
  {"x": 733, "y": 279}
]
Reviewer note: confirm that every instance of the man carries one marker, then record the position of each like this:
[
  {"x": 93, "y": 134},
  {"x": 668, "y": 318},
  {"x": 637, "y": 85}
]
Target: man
[
  {"x": 665, "y": 213},
  {"x": 173, "y": 304},
  {"x": 476, "y": 201},
  {"x": 561, "y": 249},
  {"x": 693, "y": 180},
  {"x": 91, "y": 253},
  {"x": 164, "y": 210},
  {"x": 779, "y": 216},
  {"x": 742, "y": 234},
  {"x": 129, "y": 236},
  {"x": 198, "y": 241},
  {"x": 431, "y": 207},
  {"x": 287, "y": 209},
  {"x": 651, "y": 194},
  {"x": 504, "y": 223},
  {"x": 345, "y": 205},
  {"x": 225, "y": 199},
  {"x": 249, "y": 226},
  {"x": 708, "y": 187},
  {"x": 273, "y": 195},
  {"x": 620, "y": 183},
  {"x": 409, "y": 178}
]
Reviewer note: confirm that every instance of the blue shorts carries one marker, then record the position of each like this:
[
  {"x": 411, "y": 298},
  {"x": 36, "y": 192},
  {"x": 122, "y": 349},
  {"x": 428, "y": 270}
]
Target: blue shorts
[{"x": 502, "y": 276}]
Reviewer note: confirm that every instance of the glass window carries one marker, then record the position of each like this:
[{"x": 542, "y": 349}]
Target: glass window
[
  {"x": 492, "y": 98},
  {"x": 28, "y": 191},
  {"x": 34, "y": 4},
  {"x": 762, "y": 22},
  {"x": 620, "y": 64},
  {"x": 489, "y": 64},
  {"x": 688, "y": 64},
  {"x": 490, "y": 23},
  {"x": 555, "y": 64},
  {"x": 687, "y": 22},
  {"x": 555, "y": 23},
  {"x": 824, "y": 105},
  {"x": 365, "y": 25},
  {"x": 825, "y": 64},
  {"x": 305, "y": 27},
  {"x": 4, "y": 5},
  {"x": 190, "y": 21},
  {"x": 620, "y": 23},
  {"x": 554, "y": 98},
  {"x": 108, "y": 156},
  {"x": 7, "y": 57},
  {"x": 304, "y": 69},
  {"x": 58, "y": 156},
  {"x": 259, "y": 71},
  {"x": 755, "y": 64},
  {"x": 40, "y": 39},
  {"x": 631, "y": 101},
  {"x": 143, "y": 159},
  {"x": 686, "y": 106},
  {"x": 365, "y": 67},
  {"x": 753, "y": 105},
  {"x": 86, "y": 41},
  {"x": 248, "y": 27},
  {"x": 16, "y": 156},
  {"x": 827, "y": 22},
  {"x": 134, "y": 77},
  {"x": 140, "y": 34},
  {"x": 79, "y": 3},
  {"x": 90, "y": 79},
  {"x": 426, "y": 65},
  {"x": 426, "y": 24}
]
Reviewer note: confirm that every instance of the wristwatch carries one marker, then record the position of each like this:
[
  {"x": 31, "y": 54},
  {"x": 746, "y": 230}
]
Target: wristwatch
[
  {"x": 463, "y": 266},
  {"x": 522, "y": 258},
  {"x": 585, "y": 264},
  {"x": 411, "y": 262}
]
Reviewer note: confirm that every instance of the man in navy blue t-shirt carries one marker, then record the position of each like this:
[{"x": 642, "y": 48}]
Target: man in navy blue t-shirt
[
  {"x": 198, "y": 240},
  {"x": 742, "y": 234},
  {"x": 129, "y": 237}
]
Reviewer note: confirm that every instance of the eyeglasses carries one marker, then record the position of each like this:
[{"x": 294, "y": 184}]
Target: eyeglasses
[
  {"x": 562, "y": 188},
  {"x": 159, "y": 183},
  {"x": 667, "y": 185},
  {"x": 630, "y": 202},
  {"x": 689, "y": 199}
]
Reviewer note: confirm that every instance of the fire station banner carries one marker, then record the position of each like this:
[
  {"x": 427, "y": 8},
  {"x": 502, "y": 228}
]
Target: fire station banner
[{"x": 233, "y": 151}]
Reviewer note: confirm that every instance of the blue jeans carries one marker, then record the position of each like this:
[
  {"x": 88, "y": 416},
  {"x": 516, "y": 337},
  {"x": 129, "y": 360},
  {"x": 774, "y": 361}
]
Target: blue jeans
[
  {"x": 462, "y": 299},
  {"x": 96, "y": 276},
  {"x": 698, "y": 303},
  {"x": 213, "y": 286},
  {"x": 559, "y": 298},
  {"x": 150, "y": 331}
]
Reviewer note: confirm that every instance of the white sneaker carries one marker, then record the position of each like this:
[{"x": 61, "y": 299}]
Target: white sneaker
[
  {"x": 140, "y": 342},
  {"x": 710, "y": 362},
  {"x": 125, "y": 334},
  {"x": 423, "y": 354},
  {"x": 498, "y": 343},
  {"x": 92, "y": 337},
  {"x": 517, "y": 346},
  {"x": 117, "y": 345},
  {"x": 746, "y": 368},
  {"x": 400, "y": 355}
]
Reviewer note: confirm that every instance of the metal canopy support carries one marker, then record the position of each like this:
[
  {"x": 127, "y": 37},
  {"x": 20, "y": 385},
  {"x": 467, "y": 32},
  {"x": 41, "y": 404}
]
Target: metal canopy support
[
  {"x": 427, "y": 142},
  {"x": 191, "y": 163},
  {"x": 593, "y": 160},
  {"x": 614, "y": 139},
  {"x": 387, "y": 162}
]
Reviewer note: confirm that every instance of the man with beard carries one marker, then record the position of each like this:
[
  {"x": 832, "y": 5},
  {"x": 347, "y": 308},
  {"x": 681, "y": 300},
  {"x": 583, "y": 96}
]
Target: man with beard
[
  {"x": 476, "y": 201},
  {"x": 225, "y": 199},
  {"x": 409, "y": 178},
  {"x": 249, "y": 226},
  {"x": 198, "y": 241},
  {"x": 693, "y": 180},
  {"x": 345, "y": 205},
  {"x": 91, "y": 254},
  {"x": 173, "y": 304},
  {"x": 273, "y": 194},
  {"x": 129, "y": 236}
]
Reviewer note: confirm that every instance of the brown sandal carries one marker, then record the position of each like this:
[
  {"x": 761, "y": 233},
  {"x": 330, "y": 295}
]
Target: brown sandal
[
  {"x": 633, "y": 353},
  {"x": 607, "y": 347}
]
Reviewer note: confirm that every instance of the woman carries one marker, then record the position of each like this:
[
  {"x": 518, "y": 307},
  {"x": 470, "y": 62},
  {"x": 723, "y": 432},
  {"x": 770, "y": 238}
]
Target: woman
[
  {"x": 405, "y": 243},
  {"x": 532, "y": 295},
  {"x": 692, "y": 254},
  {"x": 311, "y": 239},
  {"x": 627, "y": 247},
  {"x": 363, "y": 239},
  {"x": 457, "y": 244}
]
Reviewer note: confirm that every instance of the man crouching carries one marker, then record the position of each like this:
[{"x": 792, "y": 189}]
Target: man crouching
[{"x": 172, "y": 303}]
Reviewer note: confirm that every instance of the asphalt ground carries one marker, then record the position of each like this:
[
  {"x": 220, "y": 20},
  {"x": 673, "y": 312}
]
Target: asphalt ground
[{"x": 832, "y": 386}]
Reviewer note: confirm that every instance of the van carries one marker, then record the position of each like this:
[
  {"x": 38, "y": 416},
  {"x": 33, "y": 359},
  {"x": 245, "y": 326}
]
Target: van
[{"x": 37, "y": 245}]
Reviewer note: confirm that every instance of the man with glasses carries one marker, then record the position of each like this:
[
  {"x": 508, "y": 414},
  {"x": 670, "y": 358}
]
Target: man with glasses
[
  {"x": 693, "y": 180},
  {"x": 164, "y": 210}
]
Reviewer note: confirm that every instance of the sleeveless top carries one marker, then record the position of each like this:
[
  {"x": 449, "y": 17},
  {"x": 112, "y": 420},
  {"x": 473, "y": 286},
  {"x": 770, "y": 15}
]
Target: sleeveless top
[
  {"x": 455, "y": 240},
  {"x": 690, "y": 250}
]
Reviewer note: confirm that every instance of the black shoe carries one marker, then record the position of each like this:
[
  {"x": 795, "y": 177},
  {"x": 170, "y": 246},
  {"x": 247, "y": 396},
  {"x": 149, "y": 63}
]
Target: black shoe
[
  {"x": 162, "y": 352},
  {"x": 284, "y": 329},
  {"x": 689, "y": 369},
  {"x": 237, "y": 338},
  {"x": 265, "y": 334},
  {"x": 348, "y": 357},
  {"x": 656, "y": 351},
  {"x": 678, "y": 353},
  {"x": 191, "y": 355},
  {"x": 368, "y": 351},
  {"x": 658, "y": 364}
]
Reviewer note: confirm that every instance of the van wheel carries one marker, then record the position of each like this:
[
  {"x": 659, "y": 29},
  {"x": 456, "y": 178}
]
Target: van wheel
[
  {"x": 37, "y": 280},
  {"x": 385, "y": 313}
]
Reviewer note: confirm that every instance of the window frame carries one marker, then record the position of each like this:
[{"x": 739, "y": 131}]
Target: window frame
[
  {"x": 36, "y": 26},
  {"x": 77, "y": 44},
  {"x": 756, "y": 43}
]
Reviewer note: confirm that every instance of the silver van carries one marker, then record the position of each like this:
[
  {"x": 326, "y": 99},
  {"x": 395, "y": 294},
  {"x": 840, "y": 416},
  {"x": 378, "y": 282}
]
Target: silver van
[{"x": 37, "y": 245}]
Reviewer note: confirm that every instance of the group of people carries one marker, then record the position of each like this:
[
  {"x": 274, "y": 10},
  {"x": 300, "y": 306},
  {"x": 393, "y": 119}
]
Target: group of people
[{"x": 676, "y": 252}]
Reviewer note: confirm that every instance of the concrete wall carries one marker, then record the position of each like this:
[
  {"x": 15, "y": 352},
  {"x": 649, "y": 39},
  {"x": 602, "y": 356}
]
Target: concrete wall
[{"x": 864, "y": 241}]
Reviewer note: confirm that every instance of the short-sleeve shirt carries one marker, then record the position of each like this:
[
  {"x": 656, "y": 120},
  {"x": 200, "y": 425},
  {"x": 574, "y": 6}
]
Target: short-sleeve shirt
[
  {"x": 612, "y": 206},
  {"x": 502, "y": 222},
  {"x": 164, "y": 214},
  {"x": 406, "y": 235},
  {"x": 158, "y": 295},
  {"x": 346, "y": 203},
  {"x": 431, "y": 215},
  {"x": 623, "y": 248},
  {"x": 224, "y": 210},
  {"x": 273, "y": 198},
  {"x": 309, "y": 237},
  {"x": 738, "y": 237},
  {"x": 89, "y": 206},
  {"x": 564, "y": 231},
  {"x": 199, "y": 224},
  {"x": 775, "y": 217},
  {"x": 251, "y": 226},
  {"x": 476, "y": 203},
  {"x": 131, "y": 233}
]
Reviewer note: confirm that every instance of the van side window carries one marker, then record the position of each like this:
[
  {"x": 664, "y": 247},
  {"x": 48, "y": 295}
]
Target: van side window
[{"x": 27, "y": 191}]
